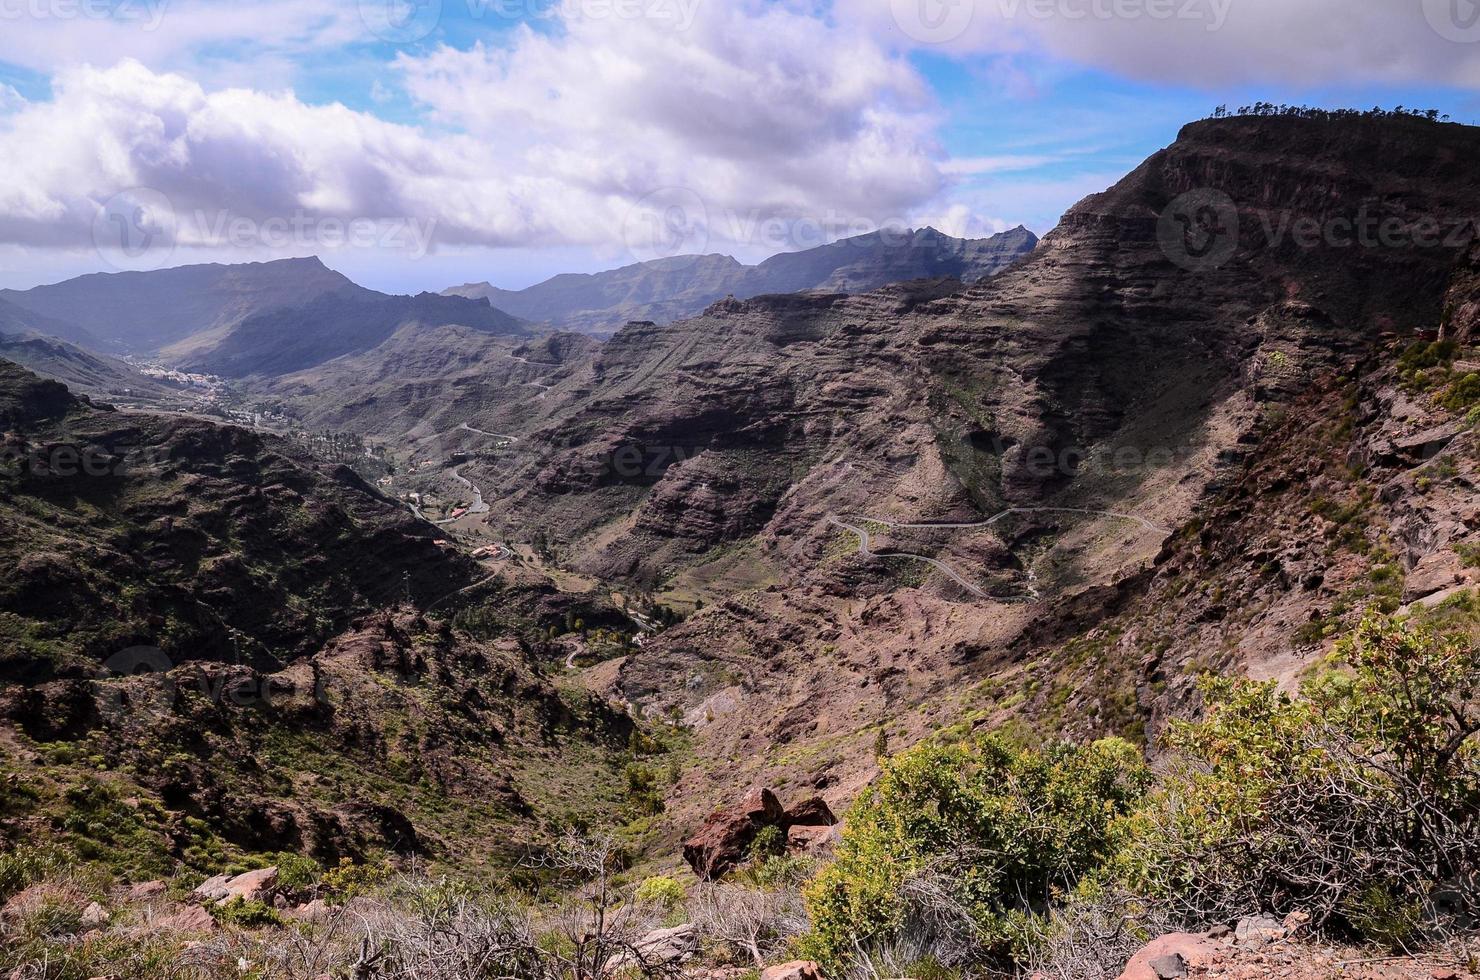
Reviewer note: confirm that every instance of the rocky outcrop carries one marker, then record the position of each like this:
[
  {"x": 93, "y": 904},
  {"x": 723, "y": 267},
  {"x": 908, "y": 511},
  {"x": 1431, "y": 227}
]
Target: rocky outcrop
[
  {"x": 251, "y": 886},
  {"x": 793, "y": 970},
  {"x": 724, "y": 840}
]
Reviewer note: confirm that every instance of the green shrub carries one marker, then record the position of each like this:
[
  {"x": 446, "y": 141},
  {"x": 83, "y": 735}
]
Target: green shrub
[
  {"x": 1357, "y": 801},
  {"x": 246, "y": 914},
  {"x": 350, "y": 879},
  {"x": 769, "y": 841},
  {"x": 979, "y": 831},
  {"x": 660, "y": 890},
  {"x": 297, "y": 872}
]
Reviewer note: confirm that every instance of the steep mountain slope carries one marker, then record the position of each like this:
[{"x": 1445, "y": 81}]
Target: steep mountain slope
[
  {"x": 293, "y": 338},
  {"x": 35, "y": 342},
  {"x": 424, "y": 381},
  {"x": 145, "y": 312},
  {"x": 671, "y": 288},
  {"x": 210, "y": 541},
  {"x": 19, "y": 321},
  {"x": 1046, "y": 432},
  {"x": 211, "y": 649}
]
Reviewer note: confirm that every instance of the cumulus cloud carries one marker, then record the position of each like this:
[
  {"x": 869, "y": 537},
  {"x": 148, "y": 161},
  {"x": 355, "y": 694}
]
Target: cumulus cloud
[
  {"x": 747, "y": 115},
  {"x": 1200, "y": 42},
  {"x": 760, "y": 110}
]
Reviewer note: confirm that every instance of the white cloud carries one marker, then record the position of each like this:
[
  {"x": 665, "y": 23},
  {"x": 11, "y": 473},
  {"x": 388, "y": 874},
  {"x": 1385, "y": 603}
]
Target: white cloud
[
  {"x": 757, "y": 114},
  {"x": 1199, "y": 42},
  {"x": 223, "y": 41},
  {"x": 760, "y": 110}
]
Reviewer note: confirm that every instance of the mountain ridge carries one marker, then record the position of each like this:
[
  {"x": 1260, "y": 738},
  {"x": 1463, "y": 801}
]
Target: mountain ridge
[{"x": 670, "y": 288}]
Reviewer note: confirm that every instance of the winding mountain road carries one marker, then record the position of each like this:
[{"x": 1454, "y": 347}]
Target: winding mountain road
[{"x": 865, "y": 546}]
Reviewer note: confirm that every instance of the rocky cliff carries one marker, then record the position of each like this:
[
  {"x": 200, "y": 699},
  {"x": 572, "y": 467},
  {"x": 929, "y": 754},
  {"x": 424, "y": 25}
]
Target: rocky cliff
[{"x": 1042, "y": 437}]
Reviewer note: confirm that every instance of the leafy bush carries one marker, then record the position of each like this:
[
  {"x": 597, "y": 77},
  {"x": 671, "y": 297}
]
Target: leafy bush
[
  {"x": 297, "y": 872},
  {"x": 246, "y": 914},
  {"x": 770, "y": 841},
  {"x": 661, "y": 891},
  {"x": 955, "y": 845},
  {"x": 1357, "y": 802},
  {"x": 350, "y": 879}
]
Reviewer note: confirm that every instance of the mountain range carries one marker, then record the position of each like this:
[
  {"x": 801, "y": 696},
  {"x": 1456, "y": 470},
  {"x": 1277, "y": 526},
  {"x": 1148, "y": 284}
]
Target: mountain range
[
  {"x": 1176, "y": 437},
  {"x": 672, "y": 288}
]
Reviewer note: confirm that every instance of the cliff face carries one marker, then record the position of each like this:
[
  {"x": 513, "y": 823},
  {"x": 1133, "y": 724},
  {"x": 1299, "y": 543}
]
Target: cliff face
[{"x": 1105, "y": 390}]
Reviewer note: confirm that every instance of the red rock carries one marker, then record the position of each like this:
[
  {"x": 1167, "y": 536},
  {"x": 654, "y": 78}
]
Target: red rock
[
  {"x": 813, "y": 840},
  {"x": 191, "y": 918},
  {"x": 724, "y": 840},
  {"x": 811, "y": 812},
  {"x": 794, "y": 970},
  {"x": 1195, "y": 951},
  {"x": 146, "y": 889},
  {"x": 254, "y": 886},
  {"x": 762, "y": 805}
]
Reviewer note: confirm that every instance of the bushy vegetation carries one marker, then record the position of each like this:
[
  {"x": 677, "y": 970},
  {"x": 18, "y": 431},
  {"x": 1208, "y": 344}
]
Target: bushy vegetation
[
  {"x": 956, "y": 844},
  {"x": 1355, "y": 801}
]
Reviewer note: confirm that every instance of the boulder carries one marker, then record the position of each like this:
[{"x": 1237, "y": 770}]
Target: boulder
[
  {"x": 213, "y": 889},
  {"x": 191, "y": 918},
  {"x": 1434, "y": 572},
  {"x": 1255, "y": 929},
  {"x": 811, "y": 812},
  {"x": 146, "y": 890},
  {"x": 94, "y": 917},
  {"x": 661, "y": 947},
  {"x": 315, "y": 911},
  {"x": 253, "y": 886},
  {"x": 762, "y": 806},
  {"x": 794, "y": 970},
  {"x": 1163, "y": 956},
  {"x": 813, "y": 840},
  {"x": 724, "y": 839}
]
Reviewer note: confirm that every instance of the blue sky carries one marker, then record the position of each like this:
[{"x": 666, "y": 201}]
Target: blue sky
[{"x": 418, "y": 145}]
